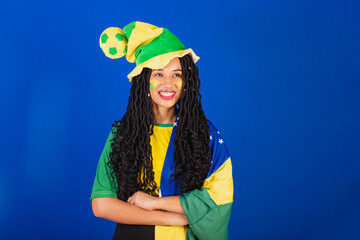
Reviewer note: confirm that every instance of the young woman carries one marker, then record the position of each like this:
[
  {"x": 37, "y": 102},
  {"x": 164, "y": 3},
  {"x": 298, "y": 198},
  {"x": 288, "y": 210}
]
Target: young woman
[{"x": 165, "y": 172}]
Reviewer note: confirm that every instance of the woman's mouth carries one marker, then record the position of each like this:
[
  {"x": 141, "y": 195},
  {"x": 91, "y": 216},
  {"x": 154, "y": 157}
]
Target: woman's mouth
[{"x": 167, "y": 95}]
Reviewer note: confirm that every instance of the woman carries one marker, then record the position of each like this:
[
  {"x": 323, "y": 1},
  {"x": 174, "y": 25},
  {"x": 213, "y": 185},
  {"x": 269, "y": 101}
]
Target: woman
[{"x": 165, "y": 172}]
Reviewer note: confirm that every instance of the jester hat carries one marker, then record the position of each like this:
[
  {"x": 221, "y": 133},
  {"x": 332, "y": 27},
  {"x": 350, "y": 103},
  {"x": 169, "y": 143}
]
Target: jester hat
[{"x": 145, "y": 44}]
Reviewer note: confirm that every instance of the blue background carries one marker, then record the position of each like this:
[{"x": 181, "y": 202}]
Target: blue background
[{"x": 280, "y": 80}]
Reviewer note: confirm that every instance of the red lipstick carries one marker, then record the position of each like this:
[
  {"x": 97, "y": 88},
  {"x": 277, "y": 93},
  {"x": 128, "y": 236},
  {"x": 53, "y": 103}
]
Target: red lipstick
[{"x": 167, "y": 95}]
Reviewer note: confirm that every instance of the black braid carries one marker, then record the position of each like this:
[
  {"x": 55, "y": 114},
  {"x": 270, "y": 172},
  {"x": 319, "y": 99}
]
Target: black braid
[
  {"x": 131, "y": 158},
  {"x": 192, "y": 148}
]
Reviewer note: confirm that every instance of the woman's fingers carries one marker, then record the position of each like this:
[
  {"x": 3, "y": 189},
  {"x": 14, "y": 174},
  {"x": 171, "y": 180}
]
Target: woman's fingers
[{"x": 142, "y": 200}]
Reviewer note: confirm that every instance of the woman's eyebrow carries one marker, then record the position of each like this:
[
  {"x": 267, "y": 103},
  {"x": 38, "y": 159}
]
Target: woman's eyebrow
[{"x": 163, "y": 70}]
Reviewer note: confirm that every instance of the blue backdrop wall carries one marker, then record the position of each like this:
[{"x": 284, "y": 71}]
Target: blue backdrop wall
[{"x": 280, "y": 80}]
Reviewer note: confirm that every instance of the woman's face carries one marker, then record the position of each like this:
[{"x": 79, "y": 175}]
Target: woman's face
[{"x": 166, "y": 85}]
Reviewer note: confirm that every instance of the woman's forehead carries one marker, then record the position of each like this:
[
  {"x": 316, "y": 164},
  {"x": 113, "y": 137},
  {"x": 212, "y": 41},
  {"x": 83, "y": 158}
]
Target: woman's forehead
[{"x": 173, "y": 65}]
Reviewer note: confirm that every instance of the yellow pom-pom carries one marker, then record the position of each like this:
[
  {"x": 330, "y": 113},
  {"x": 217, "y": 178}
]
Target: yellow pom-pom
[{"x": 113, "y": 43}]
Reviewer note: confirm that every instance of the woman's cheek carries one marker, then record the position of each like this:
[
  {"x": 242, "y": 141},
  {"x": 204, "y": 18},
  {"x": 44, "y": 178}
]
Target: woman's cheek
[
  {"x": 154, "y": 83},
  {"x": 180, "y": 84}
]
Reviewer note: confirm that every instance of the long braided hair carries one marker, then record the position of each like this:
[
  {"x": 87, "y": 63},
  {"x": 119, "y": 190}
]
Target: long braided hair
[{"x": 131, "y": 156}]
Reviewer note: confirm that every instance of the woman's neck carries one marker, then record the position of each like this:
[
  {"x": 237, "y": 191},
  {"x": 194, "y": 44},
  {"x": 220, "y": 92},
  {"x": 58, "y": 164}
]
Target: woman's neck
[{"x": 164, "y": 115}]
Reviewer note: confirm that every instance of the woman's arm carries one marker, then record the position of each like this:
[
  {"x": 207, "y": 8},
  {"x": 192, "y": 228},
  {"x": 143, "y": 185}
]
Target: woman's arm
[
  {"x": 118, "y": 211},
  {"x": 148, "y": 202},
  {"x": 171, "y": 204}
]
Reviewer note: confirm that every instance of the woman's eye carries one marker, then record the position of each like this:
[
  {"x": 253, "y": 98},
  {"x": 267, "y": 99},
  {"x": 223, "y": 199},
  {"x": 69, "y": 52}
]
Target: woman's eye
[
  {"x": 158, "y": 75},
  {"x": 177, "y": 75}
]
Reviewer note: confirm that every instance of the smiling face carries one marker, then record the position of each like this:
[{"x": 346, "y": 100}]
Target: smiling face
[{"x": 166, "y": 85}]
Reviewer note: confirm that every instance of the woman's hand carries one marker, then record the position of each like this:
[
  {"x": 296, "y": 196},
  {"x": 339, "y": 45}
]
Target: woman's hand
[
  {"x": 143, "y": 200},
  {"x": 148, "y": 202}
]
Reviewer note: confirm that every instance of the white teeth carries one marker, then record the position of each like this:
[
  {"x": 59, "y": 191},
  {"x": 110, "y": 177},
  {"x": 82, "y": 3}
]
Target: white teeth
[{"x": 167, "y": 93}]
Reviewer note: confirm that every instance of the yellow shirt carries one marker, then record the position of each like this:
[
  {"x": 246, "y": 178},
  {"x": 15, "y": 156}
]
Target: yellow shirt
[{"x": 159, "y": 144}]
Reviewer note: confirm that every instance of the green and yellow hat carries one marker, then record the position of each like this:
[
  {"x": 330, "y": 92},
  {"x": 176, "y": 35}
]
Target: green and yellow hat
[{"x": 143, "y": 43}]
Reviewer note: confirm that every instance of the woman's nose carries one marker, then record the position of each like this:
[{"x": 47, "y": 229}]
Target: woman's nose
[{"x": 167, "y": 80}]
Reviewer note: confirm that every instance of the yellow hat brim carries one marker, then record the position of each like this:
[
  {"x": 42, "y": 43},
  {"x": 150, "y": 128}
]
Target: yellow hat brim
[{"x": 161, "y": 61}]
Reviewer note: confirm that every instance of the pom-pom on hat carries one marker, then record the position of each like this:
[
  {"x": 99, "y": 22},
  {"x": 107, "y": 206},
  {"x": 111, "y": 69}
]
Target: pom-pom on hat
[{"x": 145, "y": 44}]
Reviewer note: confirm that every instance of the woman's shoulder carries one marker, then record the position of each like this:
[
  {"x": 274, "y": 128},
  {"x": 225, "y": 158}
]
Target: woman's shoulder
[
  {"x": 212, "y": 127},
  {"x": 216, "y": 137},
  {"x": 112, "y": 133}
]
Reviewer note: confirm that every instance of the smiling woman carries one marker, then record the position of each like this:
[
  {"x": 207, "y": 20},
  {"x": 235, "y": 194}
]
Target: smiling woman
[
  {"x": 165, "y": 172},
  {"x": 166, "y": 90}
]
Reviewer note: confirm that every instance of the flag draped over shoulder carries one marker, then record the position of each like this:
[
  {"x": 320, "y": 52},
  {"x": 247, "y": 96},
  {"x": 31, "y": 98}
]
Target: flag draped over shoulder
[{"x": 207, "y": 209}]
